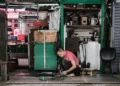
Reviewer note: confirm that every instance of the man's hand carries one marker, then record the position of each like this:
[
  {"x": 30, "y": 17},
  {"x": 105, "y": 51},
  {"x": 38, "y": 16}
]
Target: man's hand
[{"x": 63, "y": 73}]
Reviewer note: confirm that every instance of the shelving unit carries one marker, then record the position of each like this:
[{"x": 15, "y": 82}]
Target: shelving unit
[
  {"x": 63, "y": 8},
  {"x": 100, "y": 2}
]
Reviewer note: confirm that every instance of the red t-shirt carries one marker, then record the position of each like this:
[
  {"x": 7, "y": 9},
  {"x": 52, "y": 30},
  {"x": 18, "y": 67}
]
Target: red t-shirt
[{"x": 69, "y": 56}]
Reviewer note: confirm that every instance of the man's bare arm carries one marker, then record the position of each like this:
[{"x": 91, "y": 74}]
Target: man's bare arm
[{"x": 72, "y": 68}]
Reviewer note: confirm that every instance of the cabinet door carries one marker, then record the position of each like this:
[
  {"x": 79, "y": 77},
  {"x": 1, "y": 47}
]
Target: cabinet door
[
  {"x": 49, "y": 62},
  {"x": 39, "y": 56},
  {"x": 51, "y": 58}
]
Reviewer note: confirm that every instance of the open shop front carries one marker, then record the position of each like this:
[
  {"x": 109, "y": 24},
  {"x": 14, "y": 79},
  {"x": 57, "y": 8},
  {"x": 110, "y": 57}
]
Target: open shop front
[
  {"x": 31, "y": 34},
  {"x": 34, "y": 34}
]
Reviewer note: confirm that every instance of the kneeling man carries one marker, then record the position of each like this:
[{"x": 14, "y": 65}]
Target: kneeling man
[{"x": 70, "y": 64}]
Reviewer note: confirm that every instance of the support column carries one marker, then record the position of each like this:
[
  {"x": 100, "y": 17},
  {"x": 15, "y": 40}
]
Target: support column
[
  {"x": 102, "y": 31},
  {"x": 62, "y": 23}
]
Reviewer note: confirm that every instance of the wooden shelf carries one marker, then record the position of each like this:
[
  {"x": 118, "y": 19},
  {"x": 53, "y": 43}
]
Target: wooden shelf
[
  {"x": 83, "y": 26},
  {"x": 83, "y": 9}
]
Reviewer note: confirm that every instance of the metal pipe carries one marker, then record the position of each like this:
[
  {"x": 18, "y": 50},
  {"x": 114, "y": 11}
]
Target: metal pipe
[
  {"x": 38, "y": 11},
  {"x": 44, "y": 52}
]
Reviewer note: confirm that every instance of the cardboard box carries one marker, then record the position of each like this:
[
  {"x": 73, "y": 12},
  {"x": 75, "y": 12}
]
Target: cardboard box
[{"x": 50, "y": 36}]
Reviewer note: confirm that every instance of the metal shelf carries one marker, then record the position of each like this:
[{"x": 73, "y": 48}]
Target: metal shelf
[
  {"x": 82, "y": 9},
  {"x": 83, "y": 26},
  {"x": 82, "y": 1}
]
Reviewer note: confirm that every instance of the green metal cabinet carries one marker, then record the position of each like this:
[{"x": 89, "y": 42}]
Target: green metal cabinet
[{"x": 45, "y": 58}]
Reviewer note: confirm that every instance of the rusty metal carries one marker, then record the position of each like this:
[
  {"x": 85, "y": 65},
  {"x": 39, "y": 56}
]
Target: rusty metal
[
  {"x": 3, "y": 71},
  {"x": 3, "y": 35}
]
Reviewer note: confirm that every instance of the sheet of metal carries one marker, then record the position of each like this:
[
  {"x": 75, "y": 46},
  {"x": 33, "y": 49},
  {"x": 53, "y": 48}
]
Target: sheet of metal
[{"x": 115, "y": 36}]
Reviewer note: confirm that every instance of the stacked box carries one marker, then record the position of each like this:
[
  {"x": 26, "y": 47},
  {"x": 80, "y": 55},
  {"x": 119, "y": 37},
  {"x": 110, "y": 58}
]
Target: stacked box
[{"x": 47, "y": 36}]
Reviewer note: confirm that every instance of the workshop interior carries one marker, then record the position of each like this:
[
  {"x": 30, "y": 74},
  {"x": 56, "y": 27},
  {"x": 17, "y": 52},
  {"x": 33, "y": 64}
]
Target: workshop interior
[{"x": 31, "y": 31}]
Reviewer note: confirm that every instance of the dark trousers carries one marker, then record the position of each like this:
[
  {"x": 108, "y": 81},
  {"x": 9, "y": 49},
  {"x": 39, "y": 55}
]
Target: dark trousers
[{"x": 67, "y": 64}]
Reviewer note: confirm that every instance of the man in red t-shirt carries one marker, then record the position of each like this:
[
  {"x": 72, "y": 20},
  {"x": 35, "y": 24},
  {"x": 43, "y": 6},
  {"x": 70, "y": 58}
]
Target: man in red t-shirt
[{"x": 70, "y": 64}]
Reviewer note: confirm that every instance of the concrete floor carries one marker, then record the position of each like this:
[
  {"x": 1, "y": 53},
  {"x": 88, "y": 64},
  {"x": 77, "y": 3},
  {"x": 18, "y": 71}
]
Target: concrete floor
[
  {"x": 27, "y": 78},
  {"x": 24, "y": 76},
  {"x": 3, "y": 83}
]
